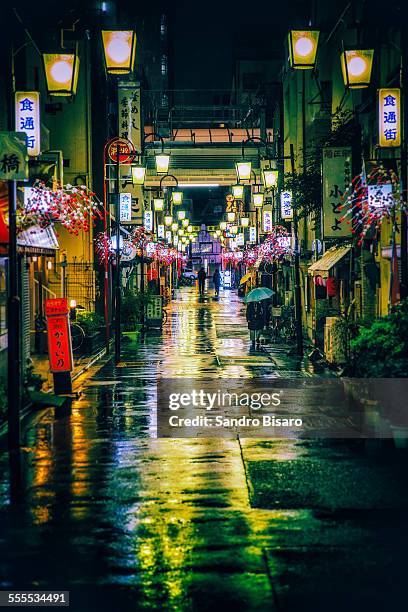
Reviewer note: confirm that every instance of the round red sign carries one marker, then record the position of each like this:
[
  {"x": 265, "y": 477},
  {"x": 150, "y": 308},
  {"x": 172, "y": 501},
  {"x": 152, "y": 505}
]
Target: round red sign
[{"x": 125, "y": 150}]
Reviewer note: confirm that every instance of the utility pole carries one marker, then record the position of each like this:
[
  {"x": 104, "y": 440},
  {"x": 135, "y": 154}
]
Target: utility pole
[
  {"x": 118, "y": 274},
  {"x": 404, "y": 162},
  {"x": 298, "y": 297}
]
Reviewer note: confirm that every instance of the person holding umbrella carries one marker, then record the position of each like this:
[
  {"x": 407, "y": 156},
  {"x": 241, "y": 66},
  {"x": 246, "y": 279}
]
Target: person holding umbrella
[{"x": 256, "y": 312}]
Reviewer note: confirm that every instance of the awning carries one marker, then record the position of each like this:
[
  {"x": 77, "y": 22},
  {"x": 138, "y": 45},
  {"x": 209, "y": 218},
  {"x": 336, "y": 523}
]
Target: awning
[
  {"x": 322, "y": 266},
  {"x": 38, "y": 241}
]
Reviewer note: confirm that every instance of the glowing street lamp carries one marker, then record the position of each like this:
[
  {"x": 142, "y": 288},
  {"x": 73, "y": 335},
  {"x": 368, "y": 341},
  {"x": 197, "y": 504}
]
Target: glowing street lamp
[
  {"x": 162, "y": 163},
  {"x": 185, "y": 222},
  {"x": 61, "y": 73},
  {"x": 269, "y": 178},
  {"x": 177, "y": 197},
  {"x": 243, "y": 169},
  {"x": 190, "y": 229},
  {"x": 168, "y": 220},
  {"x": 303, "y": 48},
  {"x": 158, "y": 204},
  {"x": 180, "y": 232},
  {"x": 238, "y": 192},
  {"x": 231, "y": 217},
  {"x": 138, "y": 175},
  {"x": 119, "y": 47},
  {"x": 234, "y": 229},
  {"x": 181, "y": 214},
  {"x": 245, "y": 221},
  {"x": 258, "y": 200},
  {"x": 356, "y": 66},
  {"x": 223, "y": 225},
  {"x": 174, "y": 227}
]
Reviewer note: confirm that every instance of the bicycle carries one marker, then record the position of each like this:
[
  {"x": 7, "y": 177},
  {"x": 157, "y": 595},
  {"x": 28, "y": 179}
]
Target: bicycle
[{"x": 77, "y": 336}]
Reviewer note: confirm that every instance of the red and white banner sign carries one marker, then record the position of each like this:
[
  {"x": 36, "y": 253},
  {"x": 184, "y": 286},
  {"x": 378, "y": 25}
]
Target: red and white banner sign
[{"x": 59, "y": 335}]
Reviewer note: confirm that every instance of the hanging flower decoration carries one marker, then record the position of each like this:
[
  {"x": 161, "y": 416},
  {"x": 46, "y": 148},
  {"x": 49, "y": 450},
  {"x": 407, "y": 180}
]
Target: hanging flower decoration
[
  {"x": 103, "y": 247},
  {"x": 141, "y": 237},
  {"x": 165, "y": 255},
  {"x": 233, "y": 257},
  {"x": 75, "y": 207},
  {"x": 369, "y": 200},
  {"x": 277, "y": 245},
  {"x": 250, "y": 256}
]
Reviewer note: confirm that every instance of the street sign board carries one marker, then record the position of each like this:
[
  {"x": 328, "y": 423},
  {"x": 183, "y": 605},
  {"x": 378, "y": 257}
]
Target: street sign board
[
  {"x": 27, "y": 104},
  {"x": 13, "y": 156},
  {"x": 336, "y": 179},
  {"x": 59, "y": 335},
  {"x": 125, "y": 207},
  {"x": 125, "y": 149}
]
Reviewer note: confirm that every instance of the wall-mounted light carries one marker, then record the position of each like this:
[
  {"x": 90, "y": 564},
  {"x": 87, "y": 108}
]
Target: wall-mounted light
[
  {"x": 234, "y": 229},
  {"x": 244, "y": 221},
  {"x": 223, "y": 225},
  {"x": 177, "y": 197},
  {"x": 356, "y": 66},
  {"x": 158, "y": 204},
  {"x": 185, "y": 222},
  {"x": 303, "y": 48},
  {"x": 162, "y": 163},
  {"x": 49, "y": 265},
  {"x": 269, "y": 178},
  {"x": 243, "y": 170},
  {"x": 119, "y": 48},
  {"x": 61, "y": 73},
  {"x": 258, "y": 199},
  {"x": 238, "y": 192},
  {"x": 168, "y": 220},
  {"x": 138, "y": 174},
  {"x": 174, "y": 227},
  {"x": 231, "y": 217},
  {"x": 181, "y": 214}
]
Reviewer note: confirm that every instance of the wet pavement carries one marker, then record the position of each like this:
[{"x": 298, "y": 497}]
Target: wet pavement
[{"x": 126, "y": 521}]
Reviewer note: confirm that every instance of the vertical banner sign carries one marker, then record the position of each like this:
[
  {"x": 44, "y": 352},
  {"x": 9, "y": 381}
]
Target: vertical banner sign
[
  {"x": 240, "y": 240},
  {"x": 160, "y": 231},
  {"x": 59, "y": 335},
  {"x": 389, "y": 117},
  {"x": 148, "y": 220},
  {"x": 13, "y": 157},
  {"x": 252, "y": 234},
  {"x": 168, "y": 236},
  {"x": 125, "y": 207},
  {"x": 336, "y": 179},
  {"x": 27, "y": 104},
  {"x": 286, "y": 205},
  {"x": 130, "y": 127},
  {"x": 267, "y": 221}
]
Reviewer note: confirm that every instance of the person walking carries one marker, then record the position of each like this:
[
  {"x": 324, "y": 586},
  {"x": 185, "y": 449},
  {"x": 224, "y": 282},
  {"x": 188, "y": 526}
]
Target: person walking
[
  {"x": 217, "y": 282},
  {"x": 201, "y": 281},
  {"x": 255, "y": 315}
]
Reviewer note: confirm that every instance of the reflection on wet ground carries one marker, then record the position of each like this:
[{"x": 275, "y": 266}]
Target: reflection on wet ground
[{"x": 126, "y": 521}]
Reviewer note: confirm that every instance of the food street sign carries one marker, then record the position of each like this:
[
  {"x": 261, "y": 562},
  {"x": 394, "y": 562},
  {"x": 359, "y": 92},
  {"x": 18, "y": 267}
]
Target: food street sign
[
  {"x": 286, "y": 205},
  {"x": 123, "y": 147},
  {"x": 27, "y": 104},
  {"x": 59, "y": 335},
  {"x": 148, "y": 220},
  {"x": 336, "y": 179},
  {"x": 389, "y": 117},
  {"x": 125, "y": 207},
  {"x": 252, "y": 234},
  {"x": 267, "y": 221},
  {"x": 13, "y": 157}
]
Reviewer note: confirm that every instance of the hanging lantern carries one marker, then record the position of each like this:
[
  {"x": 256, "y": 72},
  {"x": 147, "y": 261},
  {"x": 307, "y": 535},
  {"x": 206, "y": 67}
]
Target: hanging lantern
[
  {"x": 168, "y": 220},
  {"x": 61, "y": 73},
  {"x": 185, "y": 222},
  {"x": 158, "y": 204},
  {"x": 138, "y": 175},
  {"x": 177, "y": 197},
  {"x": 303, "y": 48},
  {"x": 356, "y": 66},
  {"x": 238, "y": 192},
  {"x": 119, "y": 48},
  {"x": 231, "y": 217},
  {"x": 162, "y": 163},
  {"x": 243, "y": 169},
  {"x": 258, "y": 200},
  {"x": 174, "y": 227},
  {"x": 190, "y": 229},
  {"x": 223, "y": 225},
  {"x": 234, "y": 229},
  {"x": 245, "y": 221},
  {"x": 180, "y": 232},
  {"x": 269, "y": 178},
  {"x": 181, "y": 214}
]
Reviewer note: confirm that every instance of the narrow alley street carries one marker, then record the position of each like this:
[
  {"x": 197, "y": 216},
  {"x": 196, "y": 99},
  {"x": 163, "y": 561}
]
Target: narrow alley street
[{"x": 126, "y": 521}]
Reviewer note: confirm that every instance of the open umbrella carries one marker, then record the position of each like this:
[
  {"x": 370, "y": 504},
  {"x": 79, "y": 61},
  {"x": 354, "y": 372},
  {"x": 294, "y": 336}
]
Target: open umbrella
[
  {"x": 245, "y": 278},
  {"x": 258, "y": 294}
]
